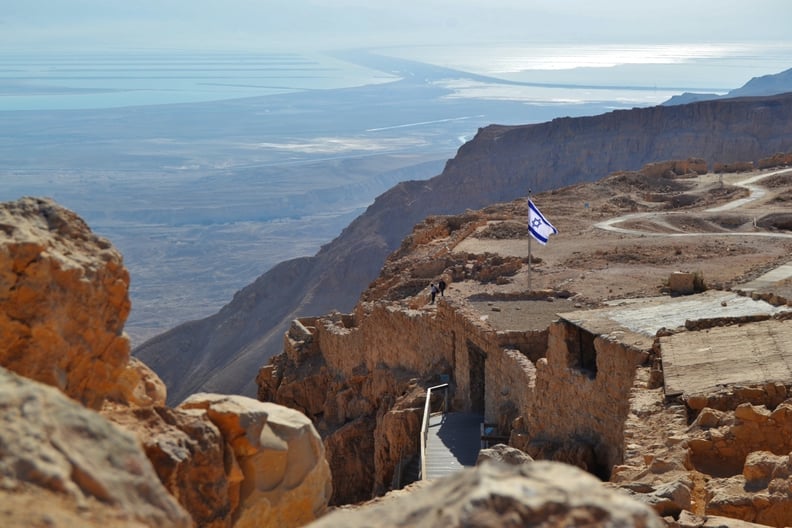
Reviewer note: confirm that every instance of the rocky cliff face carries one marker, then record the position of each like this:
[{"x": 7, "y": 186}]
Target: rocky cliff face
[
  {"x": 501, "y": 163},
  {"x": 216, "y": 461},
  {"x": 63, "y": 465},
  {"x": 61, "y": 287}
]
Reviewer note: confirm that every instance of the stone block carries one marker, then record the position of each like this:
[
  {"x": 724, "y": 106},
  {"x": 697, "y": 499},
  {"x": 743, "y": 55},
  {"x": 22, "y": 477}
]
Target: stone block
[
  {"x": 708, "y": 418},
  {"x": 682, "y": 283},
  {"x": 751, "y": 413},
  {"x": 760, "y": 465}
]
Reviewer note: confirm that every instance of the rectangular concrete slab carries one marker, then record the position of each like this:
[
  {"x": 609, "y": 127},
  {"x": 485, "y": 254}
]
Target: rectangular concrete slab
[
  {"x": 647, "y": 316},
  {"x": 745, "y": 355}
]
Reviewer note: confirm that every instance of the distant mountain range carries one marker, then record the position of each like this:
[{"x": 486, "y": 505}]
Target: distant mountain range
[
  {"x": 757, "y": 87},
  {"x": 223, "y": 352}
]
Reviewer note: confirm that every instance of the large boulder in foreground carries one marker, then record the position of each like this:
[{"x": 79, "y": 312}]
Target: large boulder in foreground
[
  {"x": 285, "y": 478},
  {"x": 189, "y": 455},
  {"x": 495, "y": 495},
  {"x": 63, "y": 301},
  {"x": 64, "y": 465}
]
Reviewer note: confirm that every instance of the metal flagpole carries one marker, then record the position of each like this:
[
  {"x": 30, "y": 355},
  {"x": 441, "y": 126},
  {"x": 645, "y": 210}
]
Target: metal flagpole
[{"x": 528, "y": 211}]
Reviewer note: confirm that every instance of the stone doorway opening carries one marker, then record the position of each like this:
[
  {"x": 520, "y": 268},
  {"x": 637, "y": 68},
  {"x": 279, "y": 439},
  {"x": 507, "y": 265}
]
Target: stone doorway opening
[{"x": 477, "y": 362}]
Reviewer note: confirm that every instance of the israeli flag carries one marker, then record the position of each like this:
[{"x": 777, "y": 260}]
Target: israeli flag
[{"x": 538, "y": 225}]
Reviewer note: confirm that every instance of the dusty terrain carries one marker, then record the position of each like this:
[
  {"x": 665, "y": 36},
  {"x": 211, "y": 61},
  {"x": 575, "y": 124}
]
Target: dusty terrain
[{"x": 621, "y": 238}]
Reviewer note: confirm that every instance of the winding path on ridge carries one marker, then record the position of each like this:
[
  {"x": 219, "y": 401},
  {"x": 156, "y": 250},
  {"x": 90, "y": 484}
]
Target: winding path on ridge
[
  {"x": 756, "y": 192},
  {"x": 658, "y": 217}
]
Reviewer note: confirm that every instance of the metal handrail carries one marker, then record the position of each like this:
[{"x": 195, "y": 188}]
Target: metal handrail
[{"x": 425, "y": 422}]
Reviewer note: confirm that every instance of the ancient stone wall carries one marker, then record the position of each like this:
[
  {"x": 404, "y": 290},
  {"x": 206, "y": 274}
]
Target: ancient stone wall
[
  {"x": 424, "y": 342},
  {"x": 745, "y": 453},
  {"x": 780, "y": 159},
  {"x": 771, "y": 395},
  {"x": 729, "y": 438},
  {"x": 446, "y": 341},
  {"x": 357, "y": 377},
  {"x": 365, "y": 375},
  {"x": 581, "y": 399},
  {"x": 532, "y": 343},
  {"x": 737, "y": 166},
  {"x": 675, "y": 168},
  {"x": 388, "y": 336},
  {"x": 492, "y": 370},
  {"x": 471, "y": 347},
  {"x": 510, "y": 380}
]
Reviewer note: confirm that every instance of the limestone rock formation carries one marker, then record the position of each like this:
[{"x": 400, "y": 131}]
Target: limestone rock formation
[
  {"x": 63, "y": 301},
  {"x": 746, "y": 450},
  {"x": 504, "y": 454},
  {"x": 284, "y": 479},
  {"x": 189, "y": 456},
  {"x": 689, "y": 520},
  {"x": 494, "y": 495},
  {"x": 64, "y": 465},
  {"x": 233, "y": 461},
  {"x": 139, "y": 386}
]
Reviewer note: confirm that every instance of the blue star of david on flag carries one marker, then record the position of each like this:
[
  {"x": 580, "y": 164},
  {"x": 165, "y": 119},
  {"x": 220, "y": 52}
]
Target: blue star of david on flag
[{"x": 538, "y": 225}]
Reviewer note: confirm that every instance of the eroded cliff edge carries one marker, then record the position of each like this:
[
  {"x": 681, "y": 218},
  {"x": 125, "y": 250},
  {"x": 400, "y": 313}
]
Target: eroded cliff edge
[{"x": 500, "y": 164}]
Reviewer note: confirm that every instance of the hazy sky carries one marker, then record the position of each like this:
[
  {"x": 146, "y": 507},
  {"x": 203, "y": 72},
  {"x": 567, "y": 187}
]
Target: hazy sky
[{"x": 330, "y": 24}]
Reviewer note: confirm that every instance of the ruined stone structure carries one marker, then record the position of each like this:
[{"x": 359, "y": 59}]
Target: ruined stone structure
[
  {"x": 356, "y": 369},
  {"x": 597, "y": 388},
  {"x": 500, "y": 164},
  {"x": 578, "y": 410},
  {"x": 780, "y": 159},
  {"x": 737, "y": 166},
  {"x": 681, "y": 401},
  {"x": 584, "y": 402}
]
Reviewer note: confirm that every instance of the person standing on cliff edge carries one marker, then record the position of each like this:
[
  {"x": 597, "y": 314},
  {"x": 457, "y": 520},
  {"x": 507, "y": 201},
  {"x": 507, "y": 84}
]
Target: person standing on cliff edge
[
  {"x": 441, "y": 286},
  {"x": 433, "y": 292}
]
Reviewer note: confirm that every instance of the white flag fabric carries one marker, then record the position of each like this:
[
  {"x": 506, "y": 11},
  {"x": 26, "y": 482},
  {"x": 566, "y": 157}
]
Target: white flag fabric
[{"x": 538, "y": 225}]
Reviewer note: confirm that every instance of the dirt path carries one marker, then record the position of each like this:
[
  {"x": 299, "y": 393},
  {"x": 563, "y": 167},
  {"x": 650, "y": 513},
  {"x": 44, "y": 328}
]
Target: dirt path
[{"x": 756, "y": 193}]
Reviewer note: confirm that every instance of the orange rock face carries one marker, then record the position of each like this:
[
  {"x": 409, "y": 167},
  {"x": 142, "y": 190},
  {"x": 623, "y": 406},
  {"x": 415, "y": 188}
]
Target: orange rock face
[
  {"x": 188, "y": 454},
  {"x": 282, "y": 476},
  {"x": 63, "y": 301},
  {"x": 226, "y": 461}
]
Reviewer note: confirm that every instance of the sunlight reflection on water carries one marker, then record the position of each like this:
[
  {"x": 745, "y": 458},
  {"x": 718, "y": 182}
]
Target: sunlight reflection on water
[
  {"x": 716, "y": 66},
  {"x": 495, "y": 60},
  {"x": 559, "y": 73}
]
